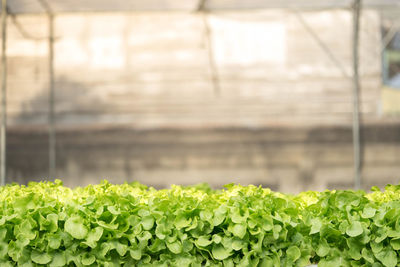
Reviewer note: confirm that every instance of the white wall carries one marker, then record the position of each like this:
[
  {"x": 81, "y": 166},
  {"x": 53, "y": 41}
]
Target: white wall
[{"x": 153, "y": 69}]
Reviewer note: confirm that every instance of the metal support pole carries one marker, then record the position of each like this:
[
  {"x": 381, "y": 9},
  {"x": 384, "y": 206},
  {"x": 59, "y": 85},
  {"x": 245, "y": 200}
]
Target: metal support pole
[
  {"x": 356, "y": 92},
  {"x": 3, "y": 132},
  {"x": 52, "y": 133},
  {"x": 211, "y": 60},
  {"x": 207, "y": 32}
]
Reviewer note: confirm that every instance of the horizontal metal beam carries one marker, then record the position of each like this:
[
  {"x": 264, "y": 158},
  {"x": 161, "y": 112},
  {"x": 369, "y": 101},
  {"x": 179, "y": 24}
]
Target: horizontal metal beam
[{"x": 88, "y": 6}]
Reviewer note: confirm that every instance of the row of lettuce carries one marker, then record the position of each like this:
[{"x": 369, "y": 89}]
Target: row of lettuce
[{"x": 47, "y": 224}]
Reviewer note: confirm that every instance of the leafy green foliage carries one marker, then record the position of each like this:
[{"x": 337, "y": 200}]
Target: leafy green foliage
[{"x": 46, "y": 224}]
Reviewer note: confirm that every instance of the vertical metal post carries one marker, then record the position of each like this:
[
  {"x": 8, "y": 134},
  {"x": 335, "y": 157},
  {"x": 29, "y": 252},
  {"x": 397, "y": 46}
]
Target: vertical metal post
[
  {"x": 211, "y": 60},
  {"x": 3, "y": 132},
  {"x": 207, "y": 32},
  {"x": 52, "y": 133},
  {"x": 356, "y": 91}
]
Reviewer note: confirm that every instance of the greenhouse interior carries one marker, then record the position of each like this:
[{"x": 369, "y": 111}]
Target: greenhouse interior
[{"x": 200, "y": 133}]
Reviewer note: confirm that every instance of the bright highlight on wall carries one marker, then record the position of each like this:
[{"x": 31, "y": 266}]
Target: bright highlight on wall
[{"x": 248, "y": 42}]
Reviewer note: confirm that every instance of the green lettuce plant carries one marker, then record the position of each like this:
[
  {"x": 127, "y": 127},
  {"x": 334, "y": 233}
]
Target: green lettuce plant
[{"x": 47, "y": 224}]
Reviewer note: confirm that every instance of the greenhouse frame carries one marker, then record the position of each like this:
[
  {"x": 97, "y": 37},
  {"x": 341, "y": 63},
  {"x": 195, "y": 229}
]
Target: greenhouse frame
[{"x": 53, "y": 7}]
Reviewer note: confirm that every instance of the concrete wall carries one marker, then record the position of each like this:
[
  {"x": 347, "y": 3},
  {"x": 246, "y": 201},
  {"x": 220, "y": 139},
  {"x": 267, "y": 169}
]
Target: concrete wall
[
  {"x": 135, "y": 100},
  {"x": 290, "y": 159}
]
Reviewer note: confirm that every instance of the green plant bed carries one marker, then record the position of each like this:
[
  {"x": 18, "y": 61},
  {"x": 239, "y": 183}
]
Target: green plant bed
[{"x": 46, "y": 224}]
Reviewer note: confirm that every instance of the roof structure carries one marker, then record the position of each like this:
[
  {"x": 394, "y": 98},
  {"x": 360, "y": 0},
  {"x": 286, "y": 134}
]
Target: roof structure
[{"x": 67, "y": 6}]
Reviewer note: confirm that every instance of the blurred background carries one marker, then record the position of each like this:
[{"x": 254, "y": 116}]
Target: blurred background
[{"x": 181, "y": 91}]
